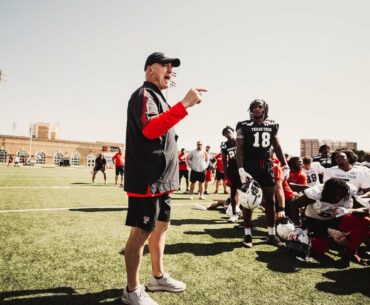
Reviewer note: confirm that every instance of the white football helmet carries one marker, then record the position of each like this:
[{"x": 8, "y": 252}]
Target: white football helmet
[
  {"x": 250, "y": 195},
  {"x": 284, "y": 228},
  {"x": 298, "y": 243}
]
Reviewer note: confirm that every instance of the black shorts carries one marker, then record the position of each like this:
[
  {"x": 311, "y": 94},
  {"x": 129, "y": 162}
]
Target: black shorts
[
  {"x": 197, "y": 176},
  {"x": 144, "y": 212},
  {"x": 96, "y": 169},
  {"x": 184, "y": 173},
  {"x": 119, "y": 170},
  {"x": 234, "y": 177},
  {"x": 262, "y": 171},
  {"x": 219, "y": 175}
]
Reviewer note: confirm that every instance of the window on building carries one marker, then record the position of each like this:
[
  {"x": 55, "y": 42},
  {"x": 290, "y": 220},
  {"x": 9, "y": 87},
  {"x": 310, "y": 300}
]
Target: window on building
[
  {"x": 91, "y": 160},
  {"x": 22, "y": 154},
  {"x": 58, "y": 159},
  {"x": 3, "y": 155},
  {"x": 75, "y": 159},
  {"x": 40, "y": 158}
]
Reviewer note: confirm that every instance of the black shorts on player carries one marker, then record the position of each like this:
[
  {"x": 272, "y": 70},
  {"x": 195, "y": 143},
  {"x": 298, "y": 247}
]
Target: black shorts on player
[
  {"x": 184, "y": 174},
  {"x": 219, "y": 175},
  {"x": 143, "y": 212},
  {"x": 197, "y": 176},
  {"x": 119, "y": 170},
  {"x": 262, "y": 171}
]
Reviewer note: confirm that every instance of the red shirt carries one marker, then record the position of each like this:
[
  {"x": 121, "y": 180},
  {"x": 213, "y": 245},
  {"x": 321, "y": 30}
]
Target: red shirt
[
  {"x": 298, "y": 178},
  {"x": 219, "y": 164},
  {"x": 182, "y": 162},
  {"x": 288, "y": 192},
  {"x": 117, "y": 159}
]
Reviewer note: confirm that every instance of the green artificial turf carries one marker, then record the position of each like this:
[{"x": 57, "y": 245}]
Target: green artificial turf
[{"x": 75, "y": 255}]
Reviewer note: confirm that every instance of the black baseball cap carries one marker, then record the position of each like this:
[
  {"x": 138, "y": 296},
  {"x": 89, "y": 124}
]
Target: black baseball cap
[{"x": 160, "y": 58}]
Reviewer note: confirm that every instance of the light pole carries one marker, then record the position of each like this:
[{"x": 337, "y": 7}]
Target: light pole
[{"x": 30, "y": 143}]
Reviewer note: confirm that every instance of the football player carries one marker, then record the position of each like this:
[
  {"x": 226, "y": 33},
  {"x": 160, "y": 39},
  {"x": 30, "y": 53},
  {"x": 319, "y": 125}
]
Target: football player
[
  {"x": 359, "y": 176},
  {"x": 255, "y": 138},
  {"x": 231, "y": 175},
  {"x": 312, "y": 170}
]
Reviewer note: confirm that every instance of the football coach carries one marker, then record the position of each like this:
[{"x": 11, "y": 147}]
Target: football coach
[{"x": 151, "y": 175}]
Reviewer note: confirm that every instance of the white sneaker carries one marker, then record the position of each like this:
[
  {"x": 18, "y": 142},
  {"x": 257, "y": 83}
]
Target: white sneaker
[
  {"x": 191, "y": 198},
  {"x": 165, "y": 283},
  {"x": 233, "y": 218},
  {"x": 137, "y": 297},
  {"x": 202, "y": 197}
]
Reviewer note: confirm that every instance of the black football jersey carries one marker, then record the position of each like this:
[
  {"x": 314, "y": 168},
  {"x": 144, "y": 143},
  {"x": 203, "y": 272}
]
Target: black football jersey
[
  {"x": 258, "y": 138},
  {"x": 229, "y": 149}
]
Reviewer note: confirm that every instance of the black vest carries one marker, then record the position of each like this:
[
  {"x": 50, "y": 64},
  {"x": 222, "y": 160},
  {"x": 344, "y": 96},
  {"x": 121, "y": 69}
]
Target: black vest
[{"x": 149, "y": 163}]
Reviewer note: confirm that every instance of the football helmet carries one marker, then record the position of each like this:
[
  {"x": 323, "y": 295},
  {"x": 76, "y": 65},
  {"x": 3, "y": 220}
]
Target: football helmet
[
  {"x": 298, "y": 243},
  {"x": 250, "y": 195},
  {"x": 284, "y": 228}
]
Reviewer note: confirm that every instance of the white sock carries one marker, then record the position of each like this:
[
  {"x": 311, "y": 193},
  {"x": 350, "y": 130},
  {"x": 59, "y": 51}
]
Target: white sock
[
  {"x": 271, "y": 230},
  {"x": 247, "y": 231}
]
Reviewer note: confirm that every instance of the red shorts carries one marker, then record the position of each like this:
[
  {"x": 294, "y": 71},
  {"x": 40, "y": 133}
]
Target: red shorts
[{"x": 208, "y": 175}]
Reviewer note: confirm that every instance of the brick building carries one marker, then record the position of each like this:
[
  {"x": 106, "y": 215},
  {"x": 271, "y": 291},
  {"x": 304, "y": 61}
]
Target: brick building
[
  {"x": 310, "y": 147},
  {"x": 51, "y": 151}
]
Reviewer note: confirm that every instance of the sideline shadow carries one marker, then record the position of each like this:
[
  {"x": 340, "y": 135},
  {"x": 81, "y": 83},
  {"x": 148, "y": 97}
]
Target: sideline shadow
[
  {"x": 346, "y": 282},
  {"x": 98, "y": 209},
  {"x": 62, "y": 296}
]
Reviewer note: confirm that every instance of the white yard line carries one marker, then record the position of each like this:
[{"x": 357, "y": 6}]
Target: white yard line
[{"x": 80, "y": 208}]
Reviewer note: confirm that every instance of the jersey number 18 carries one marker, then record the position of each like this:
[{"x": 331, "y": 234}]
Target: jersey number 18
[{"x": 263, "y": 140}]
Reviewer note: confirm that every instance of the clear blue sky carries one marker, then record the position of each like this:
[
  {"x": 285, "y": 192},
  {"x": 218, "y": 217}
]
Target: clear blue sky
[{"x": 76, "y": 63}]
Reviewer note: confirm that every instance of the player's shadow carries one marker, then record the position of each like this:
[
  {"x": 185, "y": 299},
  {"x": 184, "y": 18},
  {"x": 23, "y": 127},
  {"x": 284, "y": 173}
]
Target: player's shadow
[
  {"x": 195, "y": 221},
  {"x": 198, "y": 249},
  {"x": 217, "y": 233},
  {"x": 60, "y": 296},
  {"x": 279, "y": 261},
  {"x": 283, "y": 261},
  {"x": 346, "y": 282},
  {"x": 103, "y": 209},
  {"x": 81, "y": 183}
]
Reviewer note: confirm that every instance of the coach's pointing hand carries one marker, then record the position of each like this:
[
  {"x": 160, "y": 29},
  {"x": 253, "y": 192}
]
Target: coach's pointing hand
[{"x": 194, "y": 96}]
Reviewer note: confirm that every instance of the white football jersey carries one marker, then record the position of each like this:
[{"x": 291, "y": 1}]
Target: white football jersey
[
  {"x": 359, "y": 176},
  {"x": 313, "y": 173},
  {"x": 323, "y": 210}
]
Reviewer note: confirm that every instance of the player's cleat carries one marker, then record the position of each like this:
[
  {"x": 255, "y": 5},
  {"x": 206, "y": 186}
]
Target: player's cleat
[
  {"x": 165, "y": 283},
  {"x": 274, "y": 240},
  {"x": 247, "y": 242},
  {"x": 206, "y": 193},
  {"x": 137, "y": 297},
  {"x": 202, "y": 197}
]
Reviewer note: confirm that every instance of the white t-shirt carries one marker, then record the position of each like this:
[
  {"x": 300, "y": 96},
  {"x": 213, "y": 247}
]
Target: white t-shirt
[
  {"x": 313, "y": 173},
  {"x": 323, "y": 210},
  {"x": 359, "y": 176},
  {"x": 198, "y": 160}
]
